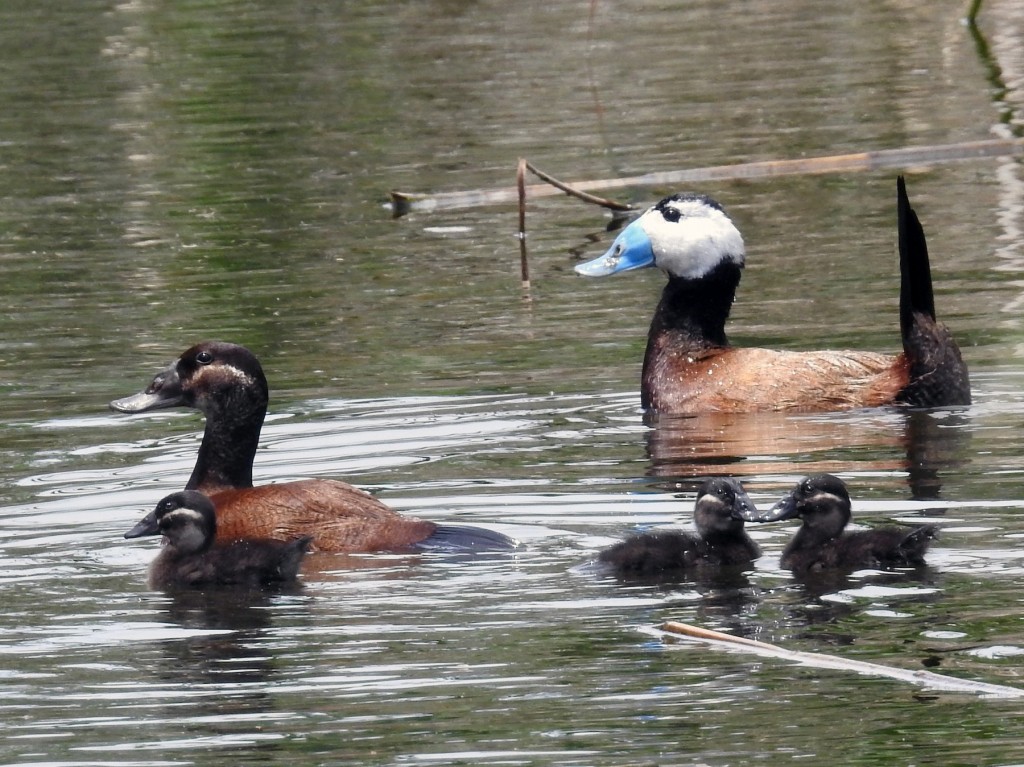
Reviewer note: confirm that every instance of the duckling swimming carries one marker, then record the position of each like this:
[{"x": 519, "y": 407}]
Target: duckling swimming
[
  {"x": 226, "y": 382},
  {"x": 721, "y": 506},
  {"x": 822, "y": 503},
  {"x": 690, "y": 367},
  {"x": 191, "y": 559}
]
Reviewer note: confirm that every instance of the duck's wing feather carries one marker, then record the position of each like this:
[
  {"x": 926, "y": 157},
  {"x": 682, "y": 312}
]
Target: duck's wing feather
[
  {"x": 654, "y": 552},
  {"x": 756, "y": 379},
  {"x": 339, "y": 516}
]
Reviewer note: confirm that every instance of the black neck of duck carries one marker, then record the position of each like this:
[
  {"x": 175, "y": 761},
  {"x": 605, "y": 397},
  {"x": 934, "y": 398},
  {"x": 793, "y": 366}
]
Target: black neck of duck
[
  {"x": 693, "y": 312},
  {"x": 229, "y": 442},
  {"x": 690, "y": 319}
]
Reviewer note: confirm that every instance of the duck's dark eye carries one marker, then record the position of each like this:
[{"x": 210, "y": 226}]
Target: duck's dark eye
[
  {"x": 671, "y": 215},
  {"x": 204, "y": 357}
]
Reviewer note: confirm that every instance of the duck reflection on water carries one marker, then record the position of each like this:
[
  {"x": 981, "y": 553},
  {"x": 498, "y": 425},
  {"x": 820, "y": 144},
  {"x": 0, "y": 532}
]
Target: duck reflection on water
[{"x": 920, "y": 444}]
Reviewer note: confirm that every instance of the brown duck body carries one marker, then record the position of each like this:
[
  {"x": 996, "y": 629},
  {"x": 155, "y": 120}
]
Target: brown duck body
[
  {"x": 736, "y": 380},
  {"x": 690, "y": 367},
  {"x": 226, "y": 382},
  {"x": 344, "y": 517}
]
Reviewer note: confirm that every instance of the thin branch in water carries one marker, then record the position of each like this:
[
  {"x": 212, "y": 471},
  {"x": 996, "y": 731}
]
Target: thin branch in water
[
  {"x": 927, "y": 679},
  {"x": 524, "y": 263},
  {"x": 578, "y": 194}
]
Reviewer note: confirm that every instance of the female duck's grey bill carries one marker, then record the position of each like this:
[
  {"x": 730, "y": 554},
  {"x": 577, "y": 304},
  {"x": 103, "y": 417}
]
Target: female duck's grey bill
[
  {"x": 146, "y": 526},
  {"x": 163, "y": 391},
  {"x": 143, "y": 401},
  {"x": 630, "y": 250}
]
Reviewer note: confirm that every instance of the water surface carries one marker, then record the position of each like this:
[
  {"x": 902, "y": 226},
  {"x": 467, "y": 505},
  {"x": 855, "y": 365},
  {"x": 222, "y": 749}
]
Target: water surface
[{"x": 219, "y": 169}]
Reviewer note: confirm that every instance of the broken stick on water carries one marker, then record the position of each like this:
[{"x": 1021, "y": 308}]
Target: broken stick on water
[
  {"x": 904, "y": 157},
  {"x": 938, "y": 682}
]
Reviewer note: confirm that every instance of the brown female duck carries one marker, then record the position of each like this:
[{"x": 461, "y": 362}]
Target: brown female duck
[{"x": 226, "y": 383}]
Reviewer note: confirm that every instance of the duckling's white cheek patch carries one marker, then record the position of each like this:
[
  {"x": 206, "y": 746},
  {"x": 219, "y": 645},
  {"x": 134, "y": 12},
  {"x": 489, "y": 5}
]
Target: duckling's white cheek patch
[
  {"x": 183, "y": 516},
  {"x": 828, "y": 498},
  {"x": 185, "y": 527},
  {"x": 710, "y": 498}
]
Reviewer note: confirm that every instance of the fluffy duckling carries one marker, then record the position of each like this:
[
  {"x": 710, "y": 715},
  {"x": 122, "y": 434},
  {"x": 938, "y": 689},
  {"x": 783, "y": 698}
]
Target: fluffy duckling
[
  {"x": 226, "y": 383},
  {"x": 718, "y": 514},
  {"x": 191, "y": 559},
  {"x": 690, "y": 367},
  {"x": 822, "y": 503}
]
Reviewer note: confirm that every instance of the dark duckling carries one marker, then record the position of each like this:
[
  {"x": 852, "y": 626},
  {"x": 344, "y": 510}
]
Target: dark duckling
[
  {"x": 226, "y": 383},
  {"x": 718, "y": 514},
  {"x": 822, "y": 503},
  {"x": 191, "y": 559},
  {"x": 690, "y": 367}
]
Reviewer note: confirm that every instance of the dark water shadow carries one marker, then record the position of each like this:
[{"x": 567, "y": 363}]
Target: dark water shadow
[{"x": 228, "y": 666}]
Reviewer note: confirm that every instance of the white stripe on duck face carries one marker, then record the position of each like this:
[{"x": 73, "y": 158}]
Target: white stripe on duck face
[
  {"x": 691, "y": 235},
  {"x": 225, "y": 372},
  {"x": 185, "y": 528},
  {"x": 709, "y": 498}
]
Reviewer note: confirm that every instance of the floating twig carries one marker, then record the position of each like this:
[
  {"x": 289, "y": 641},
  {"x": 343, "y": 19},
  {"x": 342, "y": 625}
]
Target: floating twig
[
  {"x": 843, "y": 163},
  {"x": 927, "y": 679}
]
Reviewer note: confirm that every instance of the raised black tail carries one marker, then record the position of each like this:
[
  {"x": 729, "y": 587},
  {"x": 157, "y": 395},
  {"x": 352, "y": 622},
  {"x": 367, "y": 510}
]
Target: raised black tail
[
  {"x": 938, "y": 375},
  {"x": 915, "y": 269}
]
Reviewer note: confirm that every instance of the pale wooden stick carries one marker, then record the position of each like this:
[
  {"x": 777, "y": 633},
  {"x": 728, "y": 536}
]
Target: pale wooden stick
[
  {"x": 843, "y": 163},
  {"x": 924, "y": 678}
]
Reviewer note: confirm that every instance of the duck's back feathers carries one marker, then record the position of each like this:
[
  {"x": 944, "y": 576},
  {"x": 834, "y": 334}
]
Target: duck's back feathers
[
  {"x": 664, "y": 551},
  {"x": 339, "y": 517},
  {"x": 252, "y": 564},
  {"x": 747, "y": 379},
  {"x": 879, "y": 548},
  {"x": 654, "y": 552}
]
